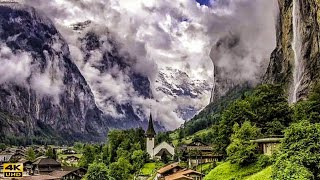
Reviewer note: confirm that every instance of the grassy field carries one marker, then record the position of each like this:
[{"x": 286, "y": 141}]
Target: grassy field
[
  {"x": 205, "y": 168},
  {"x": 228, "y": 171},
  {"x": 187, "y": 139},
  {"x": 265, "y": 174},
  {"x": 150, "y": 168}
]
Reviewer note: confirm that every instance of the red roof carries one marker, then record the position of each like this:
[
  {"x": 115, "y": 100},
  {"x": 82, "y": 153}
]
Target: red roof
[{"x": 168, "y": 168}]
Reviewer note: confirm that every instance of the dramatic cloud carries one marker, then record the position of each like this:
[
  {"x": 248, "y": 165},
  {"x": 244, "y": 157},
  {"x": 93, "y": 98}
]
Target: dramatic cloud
[
  {"x": 14, "y": 67},
  {"x": 160, "y": 34},
  {"x": 19, "y": 68}
]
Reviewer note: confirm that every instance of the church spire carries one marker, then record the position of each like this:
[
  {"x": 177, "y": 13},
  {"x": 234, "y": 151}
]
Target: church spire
[{"x": 150, "y": 131}]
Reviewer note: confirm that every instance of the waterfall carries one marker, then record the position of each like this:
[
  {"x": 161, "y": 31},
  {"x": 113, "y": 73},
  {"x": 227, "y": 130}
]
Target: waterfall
[{"x": 296, "y": 47}]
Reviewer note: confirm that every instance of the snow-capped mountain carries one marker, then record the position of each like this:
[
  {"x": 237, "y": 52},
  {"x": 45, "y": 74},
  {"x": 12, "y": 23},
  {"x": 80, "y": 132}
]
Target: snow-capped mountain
[{"x": 189, "y": 94}]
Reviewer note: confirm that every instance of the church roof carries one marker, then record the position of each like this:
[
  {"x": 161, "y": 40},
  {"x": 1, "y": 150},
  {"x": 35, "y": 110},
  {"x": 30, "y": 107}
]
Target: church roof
[{"x": 150, "y": 131}]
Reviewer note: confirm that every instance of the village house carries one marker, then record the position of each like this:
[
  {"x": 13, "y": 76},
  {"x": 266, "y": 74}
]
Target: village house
[
  {"x": 27, "y": 166},
  {"x": 198, "y": 153},
  {"x": 45, "y": 165},
  {"x": 268, "y": 146},
  {"x": 168, "y": 170},
  {"x": 71, "y": 159},
  {"x": 162, "y": 149}
]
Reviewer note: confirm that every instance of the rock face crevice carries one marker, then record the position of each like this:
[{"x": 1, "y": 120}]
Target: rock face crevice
[{"x": 282, "y": 67}]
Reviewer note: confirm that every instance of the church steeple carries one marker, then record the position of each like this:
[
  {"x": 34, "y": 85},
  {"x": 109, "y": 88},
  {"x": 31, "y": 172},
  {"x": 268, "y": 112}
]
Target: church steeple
[{"x": 150, "y": 133}]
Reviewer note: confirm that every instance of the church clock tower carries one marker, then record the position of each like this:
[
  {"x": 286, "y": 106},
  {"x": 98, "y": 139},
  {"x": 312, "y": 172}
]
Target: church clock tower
[{"x": 150, "y": 134}]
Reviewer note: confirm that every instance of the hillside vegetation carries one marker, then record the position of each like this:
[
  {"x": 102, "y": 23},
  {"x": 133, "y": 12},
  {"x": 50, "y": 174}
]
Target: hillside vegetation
[{"x": 264, "y": 112}]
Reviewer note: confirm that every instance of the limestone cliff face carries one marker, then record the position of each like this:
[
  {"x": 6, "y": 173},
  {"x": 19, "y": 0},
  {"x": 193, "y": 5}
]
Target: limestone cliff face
[{"x": 296, "y": 60}]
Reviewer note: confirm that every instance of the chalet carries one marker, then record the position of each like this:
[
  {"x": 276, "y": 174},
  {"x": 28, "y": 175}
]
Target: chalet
[
  {"x": 198, "y": 152},
  {"x": 162, "y": 149},
  {"x": 45, "y": 165},
  {"x": 268, "y": 146},
  {"x": 168, "y": 170}
]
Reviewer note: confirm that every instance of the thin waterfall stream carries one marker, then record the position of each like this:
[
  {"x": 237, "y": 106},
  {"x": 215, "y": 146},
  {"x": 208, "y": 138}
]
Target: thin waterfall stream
[{"x": 296, "y": 47}]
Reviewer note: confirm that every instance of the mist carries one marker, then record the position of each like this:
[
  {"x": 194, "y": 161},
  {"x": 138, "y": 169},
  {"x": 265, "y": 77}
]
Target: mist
[{"x": 160, "y": 34}]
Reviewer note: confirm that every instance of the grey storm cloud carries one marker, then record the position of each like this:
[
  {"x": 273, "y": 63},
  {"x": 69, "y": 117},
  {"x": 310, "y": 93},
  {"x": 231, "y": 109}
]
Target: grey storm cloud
[{"x": 178, "y": 34}]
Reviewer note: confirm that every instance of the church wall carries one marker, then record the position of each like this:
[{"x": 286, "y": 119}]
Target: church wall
[{"x": 150, "y": 146}]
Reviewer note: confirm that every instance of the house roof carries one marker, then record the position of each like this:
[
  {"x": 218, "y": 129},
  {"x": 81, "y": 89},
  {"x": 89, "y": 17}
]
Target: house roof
[
  {"x": 267, "y": 140},
  {"x": 168, "y": 168},
  {"x": 197, "y": 143},
  {"x": 46, "y": 161},
  {"x": 150, "y": 131},
  {"x": 60, "y": 174},
  {"x": 72, "y": 169},
  {"x": 40, "y": 177},
  {"x": 182, "y": 174}
]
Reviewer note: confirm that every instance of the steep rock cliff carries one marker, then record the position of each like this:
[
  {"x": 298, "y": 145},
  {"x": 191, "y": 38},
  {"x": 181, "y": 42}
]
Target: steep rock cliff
[
  {"x": 53, "y": 97},
  {"x": 296, "y": 60}
]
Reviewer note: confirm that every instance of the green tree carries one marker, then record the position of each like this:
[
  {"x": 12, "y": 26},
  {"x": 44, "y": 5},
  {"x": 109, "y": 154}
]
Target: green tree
[
  {"x": 88, "y": 156},
  {"x": 139, "y": 158},
  {"x": 2, "y": 146},
  {"x": 78, "y": 146},
  {"x": 309, "y": 109},
  {"x": 241, "y": 151},
  {"x": 299, "y": 155},
  {"x": 98, "y": 171},
  {"x": 50, "y": 153},
  {"x": 121, "y": 169},
  {"x": 163, "y": 136},
  {"x": 30, "y": 154}
]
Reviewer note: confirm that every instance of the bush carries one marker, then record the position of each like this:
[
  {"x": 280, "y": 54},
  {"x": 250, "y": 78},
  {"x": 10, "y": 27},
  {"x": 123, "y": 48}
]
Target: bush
[{"x": 264, "y": 161}]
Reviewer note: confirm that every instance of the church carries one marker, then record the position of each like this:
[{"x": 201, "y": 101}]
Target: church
[{"x": 160, "y": 150}]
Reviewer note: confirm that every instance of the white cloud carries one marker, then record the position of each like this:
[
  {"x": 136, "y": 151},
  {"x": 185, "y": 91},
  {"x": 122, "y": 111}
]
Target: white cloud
[
  {"x": 166, "y": 33},
  {"x": 14, "y": 67}
]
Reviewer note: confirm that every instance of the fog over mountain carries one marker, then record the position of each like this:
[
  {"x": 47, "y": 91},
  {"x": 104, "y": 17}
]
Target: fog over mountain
[{"x": 156, "y": 35}]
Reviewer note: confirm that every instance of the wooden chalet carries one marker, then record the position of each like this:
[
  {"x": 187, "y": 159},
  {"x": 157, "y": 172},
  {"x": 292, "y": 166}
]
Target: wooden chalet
[
  {"x": 198, "y": 152},
  {"x": 45, "y": 165}
]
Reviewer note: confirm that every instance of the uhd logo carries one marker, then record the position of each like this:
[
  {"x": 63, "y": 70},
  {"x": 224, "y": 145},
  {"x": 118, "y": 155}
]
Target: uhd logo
[{"x": 13, "y": 169}]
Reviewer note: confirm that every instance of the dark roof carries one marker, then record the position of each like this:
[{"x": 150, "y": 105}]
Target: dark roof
[
  {"x": 46, "y": 161},
  {"x": 162, "y": 151},
  {"x": 267, "y": 140},
  {"x": 72, "y": 169},
  {"x": 197, "y": 143},
  {"x": 40, "y": 177},
  {"x": 60, "y": 174},
  {"x": 150, "y": 131}
]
